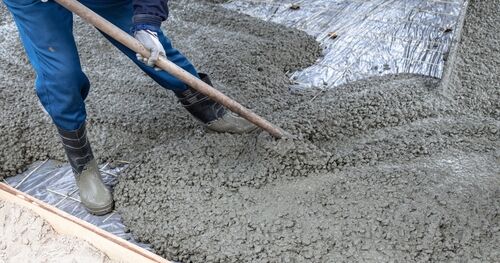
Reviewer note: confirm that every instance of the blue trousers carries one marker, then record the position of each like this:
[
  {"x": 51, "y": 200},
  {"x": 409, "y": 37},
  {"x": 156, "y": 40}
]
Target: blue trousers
[{"x": 46, "y": 30}]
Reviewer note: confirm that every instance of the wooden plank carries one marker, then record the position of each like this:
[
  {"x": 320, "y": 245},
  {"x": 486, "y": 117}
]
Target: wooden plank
[{"x": 114, "y": 247}]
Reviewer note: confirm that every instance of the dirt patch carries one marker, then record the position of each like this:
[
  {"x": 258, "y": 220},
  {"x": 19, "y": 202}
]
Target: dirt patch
[
  {"x": 390, "y": 168},
  {"x": 26, "y": 237}
]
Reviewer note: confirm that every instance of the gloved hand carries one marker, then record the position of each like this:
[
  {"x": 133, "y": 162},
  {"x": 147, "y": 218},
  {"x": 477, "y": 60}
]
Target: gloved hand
[{"x": 150, "y": 41}]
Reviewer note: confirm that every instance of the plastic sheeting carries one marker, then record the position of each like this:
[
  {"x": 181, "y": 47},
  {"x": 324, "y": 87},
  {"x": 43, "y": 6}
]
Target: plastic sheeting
[
  {"x": 53, "y": 182},
  {"x": 365, "y": 38}
]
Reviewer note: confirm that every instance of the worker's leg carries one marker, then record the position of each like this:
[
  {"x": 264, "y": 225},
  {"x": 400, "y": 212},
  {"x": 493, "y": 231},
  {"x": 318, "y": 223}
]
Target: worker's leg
[
  {"x": 209, "y": 112},
  {"x": 120, "y": 12},
  {"x": 46, "y": 32}
]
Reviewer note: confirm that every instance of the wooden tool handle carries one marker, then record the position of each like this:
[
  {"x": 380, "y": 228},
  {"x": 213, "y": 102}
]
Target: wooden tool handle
[{"x": 127, "y": 40}]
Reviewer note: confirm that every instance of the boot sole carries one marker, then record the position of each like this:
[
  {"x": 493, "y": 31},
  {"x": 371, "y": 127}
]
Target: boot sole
[{"x": 101, "y": 211}]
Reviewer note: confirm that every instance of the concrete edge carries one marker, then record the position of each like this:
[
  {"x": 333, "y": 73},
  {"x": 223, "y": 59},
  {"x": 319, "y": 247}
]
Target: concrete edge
[{"x": 452, "y": 54}]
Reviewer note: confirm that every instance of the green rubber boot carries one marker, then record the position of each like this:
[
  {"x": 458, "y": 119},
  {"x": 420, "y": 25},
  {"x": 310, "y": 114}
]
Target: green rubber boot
[{"x": 94, "y": 194}]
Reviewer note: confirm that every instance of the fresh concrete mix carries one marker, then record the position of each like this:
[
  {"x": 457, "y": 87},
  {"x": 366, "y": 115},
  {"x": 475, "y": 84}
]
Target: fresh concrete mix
[{"x": 394, "y": 168}]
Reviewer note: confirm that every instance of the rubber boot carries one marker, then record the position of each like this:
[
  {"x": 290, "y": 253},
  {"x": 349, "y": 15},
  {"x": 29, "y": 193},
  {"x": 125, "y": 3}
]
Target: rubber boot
[
  {"x": 212, "y": 114},
  {"x": 94, "y": 194}
]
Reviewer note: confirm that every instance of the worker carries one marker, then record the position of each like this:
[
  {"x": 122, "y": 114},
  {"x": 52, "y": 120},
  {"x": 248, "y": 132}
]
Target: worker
[{"x": 46, "y": 30}]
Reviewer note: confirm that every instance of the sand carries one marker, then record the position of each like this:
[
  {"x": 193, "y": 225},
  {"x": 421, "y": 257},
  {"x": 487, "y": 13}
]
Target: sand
[
  {"x": 26, "y": 237},
  {"x": 393, "y": 168}
]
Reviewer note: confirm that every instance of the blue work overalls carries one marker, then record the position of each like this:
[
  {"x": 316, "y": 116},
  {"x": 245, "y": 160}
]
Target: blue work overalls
[{"x": 46, "y": 30}]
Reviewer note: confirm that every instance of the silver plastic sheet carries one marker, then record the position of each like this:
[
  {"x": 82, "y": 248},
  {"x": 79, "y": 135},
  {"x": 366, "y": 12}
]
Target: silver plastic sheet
[
  {"x": 53, "y": 182},
  {"x": 365, "y": 38}
]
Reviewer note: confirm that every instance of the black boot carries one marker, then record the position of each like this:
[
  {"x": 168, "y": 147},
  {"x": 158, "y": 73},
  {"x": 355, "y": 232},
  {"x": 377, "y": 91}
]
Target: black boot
[
  {"x": 212, "y": 114},
  {"x": 95, "y": 196}
]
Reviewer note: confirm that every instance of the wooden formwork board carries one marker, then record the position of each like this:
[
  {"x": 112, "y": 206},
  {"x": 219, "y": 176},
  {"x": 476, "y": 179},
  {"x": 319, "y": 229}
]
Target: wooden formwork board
[{"x": 114, "y": 247}]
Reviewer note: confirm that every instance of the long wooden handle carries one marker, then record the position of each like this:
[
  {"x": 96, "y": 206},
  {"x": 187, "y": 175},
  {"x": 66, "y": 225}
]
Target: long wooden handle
[{"x": 127, "y": 40}]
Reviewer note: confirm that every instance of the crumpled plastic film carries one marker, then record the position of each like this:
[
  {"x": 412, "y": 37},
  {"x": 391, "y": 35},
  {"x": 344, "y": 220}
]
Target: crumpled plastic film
[
  {"x": 365, "y": 38},
  {"x": 53, "y": 182}
]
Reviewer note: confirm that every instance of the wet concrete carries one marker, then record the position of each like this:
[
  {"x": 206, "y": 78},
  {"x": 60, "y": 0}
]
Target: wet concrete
[{"x": 390, "y": 168}]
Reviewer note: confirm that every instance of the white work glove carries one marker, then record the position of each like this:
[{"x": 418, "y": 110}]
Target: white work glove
[{"x": 150, "y": 41}]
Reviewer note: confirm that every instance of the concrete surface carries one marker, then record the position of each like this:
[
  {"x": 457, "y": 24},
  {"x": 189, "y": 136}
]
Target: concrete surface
[{"x": 384, "y": 169}]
